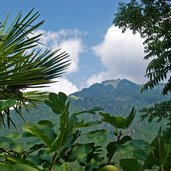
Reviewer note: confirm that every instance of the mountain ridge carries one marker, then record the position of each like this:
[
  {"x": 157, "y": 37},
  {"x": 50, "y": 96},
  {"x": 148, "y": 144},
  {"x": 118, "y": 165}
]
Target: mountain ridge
[
  {"x": 117, "y": 97},
  {"x": 113, "y": 92}
]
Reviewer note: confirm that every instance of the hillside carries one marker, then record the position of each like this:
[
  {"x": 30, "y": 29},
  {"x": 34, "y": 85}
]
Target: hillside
[{"x": 116, "y": 97}]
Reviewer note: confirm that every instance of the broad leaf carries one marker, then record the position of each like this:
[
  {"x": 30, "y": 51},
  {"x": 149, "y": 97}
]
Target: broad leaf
[
  {"x": 115, "y": 121},
  {"x": 44, "y": 132},
  {"x": 57, "y": 102},
  {"x": 111, "y": 149},
  {"x": 99, "y": 135},
  {"x": 66, "y": 133},
  {"x": 83, "y": 124}
]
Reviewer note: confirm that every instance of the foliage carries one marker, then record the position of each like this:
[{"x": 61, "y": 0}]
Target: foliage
[
  {"x": 53, "y": 148},
  {"x": 47, "y": 146},
  {"x": 160, "y": 111},
  {"x": 23, "y": 65},
  {"x": 152, "y": 19},
  {"x": 119, "y": 99}
]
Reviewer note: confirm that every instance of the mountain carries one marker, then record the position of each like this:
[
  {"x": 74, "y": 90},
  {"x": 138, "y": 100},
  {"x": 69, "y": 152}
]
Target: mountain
[{"x": 116, "y": 97}]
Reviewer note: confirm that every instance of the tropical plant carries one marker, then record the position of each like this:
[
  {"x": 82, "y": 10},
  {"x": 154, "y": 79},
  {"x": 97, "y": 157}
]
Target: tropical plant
[
  {"x": 52, "y": 147},
  {"x": 23, "y": 65}
]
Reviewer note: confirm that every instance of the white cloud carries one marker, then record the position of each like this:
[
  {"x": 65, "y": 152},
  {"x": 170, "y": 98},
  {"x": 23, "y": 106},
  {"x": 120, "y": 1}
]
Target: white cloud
[
  {"x": 61, "y": 85},
  {"x": 73, "y": 47},
  {"x": 67, "y": 40},
  {"x": 122, "y": 55}
]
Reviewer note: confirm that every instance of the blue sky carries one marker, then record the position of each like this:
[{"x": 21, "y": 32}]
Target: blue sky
[{"x": 98, "y": 50}]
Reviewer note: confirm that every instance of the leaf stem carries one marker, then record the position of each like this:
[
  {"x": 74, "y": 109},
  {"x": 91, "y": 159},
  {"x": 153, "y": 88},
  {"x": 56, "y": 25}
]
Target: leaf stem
[{"x": 53, "y": 161}]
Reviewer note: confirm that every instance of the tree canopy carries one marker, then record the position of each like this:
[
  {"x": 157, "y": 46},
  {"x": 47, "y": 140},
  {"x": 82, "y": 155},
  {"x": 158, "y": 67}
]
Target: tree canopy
[{"x": 152, "y": 19}]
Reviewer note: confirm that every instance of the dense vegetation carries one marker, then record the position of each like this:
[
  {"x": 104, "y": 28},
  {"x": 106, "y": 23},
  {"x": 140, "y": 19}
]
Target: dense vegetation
[{"x": 66, "y": 143}]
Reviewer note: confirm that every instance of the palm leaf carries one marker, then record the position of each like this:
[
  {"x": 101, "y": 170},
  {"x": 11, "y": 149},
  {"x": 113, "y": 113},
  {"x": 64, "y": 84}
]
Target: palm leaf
[{"x": 22, "y": 64}]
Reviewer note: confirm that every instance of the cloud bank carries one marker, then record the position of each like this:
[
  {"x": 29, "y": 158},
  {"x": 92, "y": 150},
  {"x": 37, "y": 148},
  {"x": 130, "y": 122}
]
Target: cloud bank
[{"x": 122, "y": 55}]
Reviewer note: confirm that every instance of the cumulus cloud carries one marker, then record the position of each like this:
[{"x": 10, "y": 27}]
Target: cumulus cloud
[
  {"x": 122, "y": 55},
  {"x": 61, "y": 85},
  {"x": 68, "y": 40}
]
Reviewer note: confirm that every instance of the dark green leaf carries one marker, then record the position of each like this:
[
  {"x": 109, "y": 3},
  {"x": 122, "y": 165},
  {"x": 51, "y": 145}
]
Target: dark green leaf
[
  {"x": 111, "y": 149},
  {"x": 131, "y": 117},
  {"x": 125, "y": 139},
  {"x": 115, "y": 121},
  {"x": 130, "y": 165}
]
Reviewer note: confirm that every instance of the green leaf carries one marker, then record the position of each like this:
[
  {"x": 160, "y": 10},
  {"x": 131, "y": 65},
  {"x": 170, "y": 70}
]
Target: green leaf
[
  {"x": 35, "y": 147},
  {"x": 46, "y": 122},
  {"x": 91, "y": 111},
  {"x": 14, "y": 136},
  {"x": 131, "y": 117},
  {"x": 19, "y": 160},
  {"x": 83, "y": 124},
  {"x": 6, "y": 104},
  {"x": 130, "y": 165},
  {"x": 141, "y": 149},
  {"x": 111, "y": 149},
  {"x": 6, "y": 142},
  {"x": 23, "y": 167},
  {"x": 125, "y": 139},
  {"x": 5, "y": 167},
  {"x": 66, "y": 135},
  {"x": 115, "y": 121},
  {"x": 57, "y": 102},
  {"x": 44, "y": 132},
  {"x": 80, "y": 151},
  {"x": 159, "y": 152},
  {"x": 99, "y": 135}
]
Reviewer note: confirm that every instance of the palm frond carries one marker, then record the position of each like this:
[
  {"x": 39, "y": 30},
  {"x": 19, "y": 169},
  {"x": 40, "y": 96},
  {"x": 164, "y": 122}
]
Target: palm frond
[
  {"x": 21, "y": 69},
  {"x": 22, "y": 64}
]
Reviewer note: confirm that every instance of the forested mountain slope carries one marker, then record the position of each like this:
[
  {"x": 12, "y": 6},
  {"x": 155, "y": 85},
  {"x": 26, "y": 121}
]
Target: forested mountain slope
[{"x": 115, "y": 97}]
